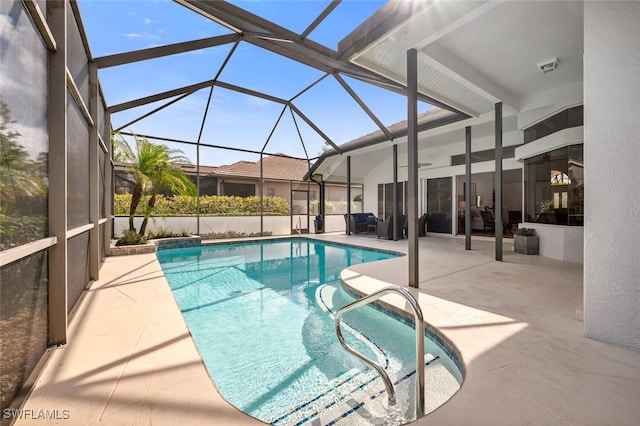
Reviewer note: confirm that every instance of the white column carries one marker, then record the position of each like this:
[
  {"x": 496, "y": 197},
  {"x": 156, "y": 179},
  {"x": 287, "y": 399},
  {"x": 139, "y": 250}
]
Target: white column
[{"x": 612, "y": 165}]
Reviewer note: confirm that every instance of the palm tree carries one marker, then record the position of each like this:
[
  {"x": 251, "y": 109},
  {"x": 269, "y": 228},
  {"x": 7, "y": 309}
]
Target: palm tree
[{"x": 151, "y": 166}]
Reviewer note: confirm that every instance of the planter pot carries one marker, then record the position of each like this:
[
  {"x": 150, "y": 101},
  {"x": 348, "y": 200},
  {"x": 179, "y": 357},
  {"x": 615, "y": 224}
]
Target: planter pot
[
  {"x": 526, "y": 244},
  {"x": 153, "y": 246},
  {"x": 131, "y": 249}
]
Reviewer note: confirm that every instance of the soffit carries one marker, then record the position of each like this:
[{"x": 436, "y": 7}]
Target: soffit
[{"x": 472, "y": 54}]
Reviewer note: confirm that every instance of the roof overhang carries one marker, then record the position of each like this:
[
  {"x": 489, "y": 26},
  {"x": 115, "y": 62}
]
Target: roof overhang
[{"x": 473, "y": 54}]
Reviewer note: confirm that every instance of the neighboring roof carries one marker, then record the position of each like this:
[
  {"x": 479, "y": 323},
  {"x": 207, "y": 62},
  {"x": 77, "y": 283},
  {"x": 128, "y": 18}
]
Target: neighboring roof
[
  {"x": 273, "y": 167},
  {"x": 427, "y": 120}
]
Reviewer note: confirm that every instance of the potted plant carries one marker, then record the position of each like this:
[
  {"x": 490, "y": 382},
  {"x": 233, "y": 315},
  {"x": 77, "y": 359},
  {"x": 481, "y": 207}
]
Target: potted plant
[{"x": 526, "y": 241}]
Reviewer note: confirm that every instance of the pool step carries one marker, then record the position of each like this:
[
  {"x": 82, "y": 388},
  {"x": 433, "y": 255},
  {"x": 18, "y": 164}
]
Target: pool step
[
  {"x": 359, "y": 398},
  {"x": 372, "y": 405}
]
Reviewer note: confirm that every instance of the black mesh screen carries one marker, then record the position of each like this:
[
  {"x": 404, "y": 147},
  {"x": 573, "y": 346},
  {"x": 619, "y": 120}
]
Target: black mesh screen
[
  {"x": 23, "y": 321},
  {"x": 77, "y": 57},
  {"x": 101, "y": 243},
  {"x": 23, "y": 130},
  {"x": 77, "y": 167},
  {"x": 102, "y": 157},
  {"x": 77, "y": 267}
]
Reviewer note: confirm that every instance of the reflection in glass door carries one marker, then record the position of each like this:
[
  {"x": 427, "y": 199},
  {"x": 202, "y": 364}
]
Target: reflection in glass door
[
  {"x": 299, "y": 211},
  {"x": 439, "y": 209}
]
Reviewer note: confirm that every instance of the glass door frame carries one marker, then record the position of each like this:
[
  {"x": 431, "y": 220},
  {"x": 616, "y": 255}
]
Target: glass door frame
[{"x": 304, "y": 217}]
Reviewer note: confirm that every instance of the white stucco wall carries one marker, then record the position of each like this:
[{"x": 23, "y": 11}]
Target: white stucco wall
[
  {"x": 612, "y": 161},
  {"x": 277, "y": 225},
  {"x": 558, "y": 241}
]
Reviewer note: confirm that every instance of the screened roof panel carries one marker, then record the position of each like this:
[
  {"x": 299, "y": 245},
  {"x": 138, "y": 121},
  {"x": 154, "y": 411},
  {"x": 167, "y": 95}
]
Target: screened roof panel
[
  {"x": 340, "y": 21},
  {"x": 295, "y": 15},
  {"x": 389, "y": 107},
  {"x": 344, "y": 120},
  {"x": 188, "y": 151},
  {"x": 270, "y": 60},
  {"x": 220, "y": 157},
  {"x": 258, "y": 69},
  {"x": 180, "y": 120},
  {"x": 286, "y": 139},
  {"x": 144, "y": 78},
  {"x": 121, "y": 26},
  {"x": 237, "y": 120}
]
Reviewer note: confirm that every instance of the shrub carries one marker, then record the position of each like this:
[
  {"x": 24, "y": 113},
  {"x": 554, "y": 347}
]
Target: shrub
[
  {"x": 164, "y": 233},
  {"x": 234, "y": 234},
  {"x": 528, "y": 232},
  {"x": 210, "y": 205},
  {"x": 130, "y": 238}
]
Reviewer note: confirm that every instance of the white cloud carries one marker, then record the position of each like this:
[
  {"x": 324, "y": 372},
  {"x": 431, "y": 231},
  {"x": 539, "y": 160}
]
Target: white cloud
[
  {"x": 149, "y": 21},
  {"x": 132, "y": 35},
  {"x": 143, "y": 36}
]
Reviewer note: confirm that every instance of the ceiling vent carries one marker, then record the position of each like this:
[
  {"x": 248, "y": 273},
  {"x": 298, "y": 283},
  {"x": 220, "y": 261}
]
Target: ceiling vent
[{"x": 548, "y": 65}]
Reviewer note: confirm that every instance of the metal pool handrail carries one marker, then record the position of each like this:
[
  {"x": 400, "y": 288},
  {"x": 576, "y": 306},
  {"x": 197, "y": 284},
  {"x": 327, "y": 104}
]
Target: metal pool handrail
[{"x": 418, "y": 318}]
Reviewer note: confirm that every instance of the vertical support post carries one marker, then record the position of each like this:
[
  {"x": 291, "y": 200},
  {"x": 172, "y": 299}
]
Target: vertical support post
[
  {"x": 412, "y": 154},
  {"x": 57, "y": 118},
  {"x": 109, "y": 187},
  {"x": 198, "y": 187},
  {"x": 94, "y": 176},
  {"x": 498, "y": 203},
  {"x": 395, "y": 211},
  {"x": 262, "y": 197},
  {"x": 349, "y": 195},
  {"x": 467, "y": 185},
  {"x": 321, "y": 206}
]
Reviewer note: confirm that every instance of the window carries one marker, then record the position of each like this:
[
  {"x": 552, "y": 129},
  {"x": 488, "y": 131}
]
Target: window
[
  {"x": 239, "y": 189},
  {"x": 572, "y": 117},
  {"x": 481, "y": 156},
  {"x": 554, "y": 187},
  {"x": 271, "y": 192}
]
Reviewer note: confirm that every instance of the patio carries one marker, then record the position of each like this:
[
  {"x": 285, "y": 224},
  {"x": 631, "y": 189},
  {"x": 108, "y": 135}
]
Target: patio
[{"x": 130, "y": 358}]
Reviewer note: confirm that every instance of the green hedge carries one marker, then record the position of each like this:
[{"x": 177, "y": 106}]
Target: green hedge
[{"x": 210, "y": 205}]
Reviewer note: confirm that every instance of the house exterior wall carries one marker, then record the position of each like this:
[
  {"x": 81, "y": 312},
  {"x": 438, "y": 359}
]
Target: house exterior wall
[
  {"x": 611, "y": 149},
  {"x": 440, "y": 159}
]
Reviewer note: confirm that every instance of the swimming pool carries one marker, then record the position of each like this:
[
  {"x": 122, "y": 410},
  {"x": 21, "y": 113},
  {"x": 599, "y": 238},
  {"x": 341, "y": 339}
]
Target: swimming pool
[{"x": 261, "y": 314}]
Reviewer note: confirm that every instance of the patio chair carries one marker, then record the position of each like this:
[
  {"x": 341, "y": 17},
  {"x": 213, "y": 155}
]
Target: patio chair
[
  {"x": 422, "y": 225},
  {"x": 515, "y": 217},
  {"x": 489, "y": 222},
  {"x": 385, "y": 229}
]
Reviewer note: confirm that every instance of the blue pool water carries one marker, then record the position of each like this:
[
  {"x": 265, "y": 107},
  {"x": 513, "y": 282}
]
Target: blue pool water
[{"x": 261, "y": 316}]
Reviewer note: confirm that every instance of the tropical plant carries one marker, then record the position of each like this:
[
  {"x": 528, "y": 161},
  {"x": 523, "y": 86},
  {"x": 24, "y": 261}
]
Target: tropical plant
[
  {"x": 528, "y": 232},
  {"x": 151, "y": 166},
  {"x": 130, "y": 238},
  {"x": 23, "y": 187}
]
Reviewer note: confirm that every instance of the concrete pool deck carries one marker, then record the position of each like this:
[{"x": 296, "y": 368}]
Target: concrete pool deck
[{"x": 517, "y": 324}]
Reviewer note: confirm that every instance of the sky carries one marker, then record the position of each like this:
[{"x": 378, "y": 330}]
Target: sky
[{"x": 233, "y": 119}]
